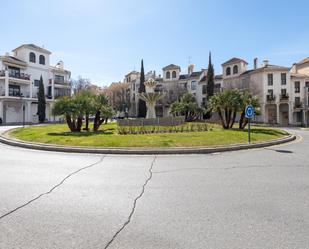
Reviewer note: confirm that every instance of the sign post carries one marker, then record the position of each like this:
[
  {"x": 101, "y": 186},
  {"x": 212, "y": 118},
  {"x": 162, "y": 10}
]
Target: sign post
[{"x": 249, "y": 112}]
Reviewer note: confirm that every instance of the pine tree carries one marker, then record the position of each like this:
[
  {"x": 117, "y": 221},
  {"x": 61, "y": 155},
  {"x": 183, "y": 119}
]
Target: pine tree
[
  {"x": 41, "y": 102},
  {"x": 142, "y": 110},
  {"x": 210, "y": 83}
]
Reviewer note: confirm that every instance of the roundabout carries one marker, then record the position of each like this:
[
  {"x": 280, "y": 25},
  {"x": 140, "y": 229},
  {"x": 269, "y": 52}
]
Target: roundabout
[
  {"x": 241, "y": 199},
  {"x": 169, "y": 141}
]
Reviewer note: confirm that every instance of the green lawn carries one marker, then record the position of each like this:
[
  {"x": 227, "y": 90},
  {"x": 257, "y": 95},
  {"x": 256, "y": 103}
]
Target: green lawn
[{"x": 108, "y": 137}]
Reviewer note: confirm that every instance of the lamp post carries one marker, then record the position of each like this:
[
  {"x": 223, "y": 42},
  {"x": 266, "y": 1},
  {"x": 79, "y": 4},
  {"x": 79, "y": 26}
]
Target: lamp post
[{"x": 23, "y": 108}]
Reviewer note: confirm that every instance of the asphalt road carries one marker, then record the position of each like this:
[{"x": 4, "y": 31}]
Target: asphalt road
[{"x": 246, "y": 199}]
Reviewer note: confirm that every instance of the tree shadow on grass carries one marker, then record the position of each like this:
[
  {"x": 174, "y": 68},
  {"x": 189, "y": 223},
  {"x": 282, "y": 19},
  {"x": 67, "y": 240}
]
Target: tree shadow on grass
[{"x": 83, "y": 133}]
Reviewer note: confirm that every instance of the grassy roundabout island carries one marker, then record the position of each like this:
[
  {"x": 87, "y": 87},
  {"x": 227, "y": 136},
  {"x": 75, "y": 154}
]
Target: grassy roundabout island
[{"x": 108, "y": 136}]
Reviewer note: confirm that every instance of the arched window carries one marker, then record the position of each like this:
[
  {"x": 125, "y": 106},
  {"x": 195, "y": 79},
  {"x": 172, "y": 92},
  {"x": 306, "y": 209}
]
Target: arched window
[
  {"x": 42, "y": 60},
  {"x": 32, "y": 57},
  {"x": 228, "y": 71},
  {"x": 168, "y": 75},
  {"x": 174, "y": 74},
  {"x": 235, "y": 69}
]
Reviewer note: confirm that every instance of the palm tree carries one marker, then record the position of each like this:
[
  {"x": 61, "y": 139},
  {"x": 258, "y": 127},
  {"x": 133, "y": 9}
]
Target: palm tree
[
  {"x": 103, "y": 111},
  {"x": 226, "y": 104},
  {"x": 187, "y": 107},
  {"x": 65, "y": 107}
]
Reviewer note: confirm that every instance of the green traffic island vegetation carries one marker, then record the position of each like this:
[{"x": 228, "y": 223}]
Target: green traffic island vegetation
[
  {"x": 86, "y": 115},
  {"x": 109, "y": 136}
]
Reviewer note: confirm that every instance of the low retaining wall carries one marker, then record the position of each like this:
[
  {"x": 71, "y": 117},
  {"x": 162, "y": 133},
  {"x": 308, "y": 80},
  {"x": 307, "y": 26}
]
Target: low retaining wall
[
  {"x": 143, "y": 151},
  {"x": 166, "y": 121}
]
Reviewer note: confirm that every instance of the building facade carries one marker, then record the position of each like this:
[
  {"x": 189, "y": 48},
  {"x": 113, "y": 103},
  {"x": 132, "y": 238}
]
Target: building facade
[
  {"x": 282, "y": 91},
  {"x": 174, "y": 84},
  {"x": 20, "y": 74}
]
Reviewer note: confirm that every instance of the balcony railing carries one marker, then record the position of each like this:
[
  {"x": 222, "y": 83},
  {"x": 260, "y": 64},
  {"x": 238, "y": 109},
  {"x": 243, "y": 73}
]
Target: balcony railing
[
  {"x": 298, "y": 105},
  {"x": 284, "y": 97},
  {"x": 60, "y": 82},
  {"x": 22, "y": 76},
  {"x": 270, "y": 98}
]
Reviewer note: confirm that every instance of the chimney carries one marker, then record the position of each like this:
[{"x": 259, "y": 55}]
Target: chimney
[
  {"x": 60, "y": 65},
  {"x": 265, "y": 63},
  {"x": 294, "y": 68},
  {"x": 190, "y": 69},
  {"x": 255, "y": 63}
]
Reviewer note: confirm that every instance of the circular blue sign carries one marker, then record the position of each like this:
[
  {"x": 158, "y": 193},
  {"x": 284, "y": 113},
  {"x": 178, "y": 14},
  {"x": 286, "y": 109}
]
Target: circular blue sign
[{"x": 249, "y": 111}]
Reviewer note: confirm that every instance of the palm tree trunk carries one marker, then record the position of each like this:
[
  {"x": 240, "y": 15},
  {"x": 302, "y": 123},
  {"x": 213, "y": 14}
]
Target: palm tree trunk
[
  {"x": 96, "y": 121},
  {"x": 233, "y": 118},
  {"x": 87, "y": 122},
  {"x": 79, "y": 123}
]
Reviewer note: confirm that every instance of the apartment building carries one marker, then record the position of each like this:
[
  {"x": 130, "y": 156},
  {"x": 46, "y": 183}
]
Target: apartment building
[
  {"x": 282, "y": 91},
  {"x": 174, "y": 84},
  {"x": 20, "y": 74}
]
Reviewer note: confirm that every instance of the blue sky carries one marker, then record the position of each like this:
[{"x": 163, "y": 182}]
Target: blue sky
[{"x": 103, "y": 40}]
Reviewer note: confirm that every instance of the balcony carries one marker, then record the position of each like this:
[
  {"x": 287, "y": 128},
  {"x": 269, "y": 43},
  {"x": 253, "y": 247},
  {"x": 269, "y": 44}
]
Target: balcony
[
  {"x": 21, "y": 76},
  {"x": 284, "y": 97},
  {"x": 60, "y": 82},
  {"x": 270, "y": 98},
  {"x": 298, "y": 105}
]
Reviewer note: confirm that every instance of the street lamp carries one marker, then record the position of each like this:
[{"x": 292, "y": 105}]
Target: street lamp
[{"x": 23, "y": 108}]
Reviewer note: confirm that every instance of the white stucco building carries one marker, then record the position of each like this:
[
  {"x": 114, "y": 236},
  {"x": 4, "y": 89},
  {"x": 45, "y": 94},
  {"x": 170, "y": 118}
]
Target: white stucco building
[
  {"x": 282, "y": 91},
  {"x": 174, "y": 84},
  {"x": 20, "y": 74}
]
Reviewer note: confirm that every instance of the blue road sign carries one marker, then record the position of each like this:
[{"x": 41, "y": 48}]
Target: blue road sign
[{"x": 249, "y": 111}]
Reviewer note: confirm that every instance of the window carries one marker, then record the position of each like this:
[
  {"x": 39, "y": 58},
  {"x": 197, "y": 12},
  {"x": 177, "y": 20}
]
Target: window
[
  {"x": 298, "y": 117},
  {"x": 14, "y": 90},
  {"x": 271, "y": 92},
  {"x": 59, "y": 79},
  {"x": 235, "y": 69},
  {"x": 297, "y": 86},
  {"x": 133, "y": 86},
  {"x": 193, "y": 85},
  {"x": 270, "y": 77},
  {"x": 297, "y": 100},
  {"x": 283, "y": 92},
  {"x": 174, "y": 74},
  {"x": 228, "y": 71},
  {"x": 168, "y": 75},
  {"x": 37, "y": 83},
  {"x": 14, "y": 72},
  {"x": 204, "y": 89},
  {"x": 42, "y": 60},
  {"x": 204, "y": 102},
  {"x": 32, "y": 57},
  {"x": 283, "y": 79}
]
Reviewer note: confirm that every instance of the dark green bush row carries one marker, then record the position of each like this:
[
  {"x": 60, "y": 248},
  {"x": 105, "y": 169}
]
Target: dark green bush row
[{"x": 191, "y": 127}]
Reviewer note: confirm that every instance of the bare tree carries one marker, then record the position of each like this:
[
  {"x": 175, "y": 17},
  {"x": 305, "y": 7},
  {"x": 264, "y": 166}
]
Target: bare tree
[{"x": 80, "y": 84}]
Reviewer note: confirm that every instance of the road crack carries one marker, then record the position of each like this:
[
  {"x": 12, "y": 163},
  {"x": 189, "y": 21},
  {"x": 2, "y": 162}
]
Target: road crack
[
  {"x": 52, "y": 189},
  {"x": 134, "y": 205}
]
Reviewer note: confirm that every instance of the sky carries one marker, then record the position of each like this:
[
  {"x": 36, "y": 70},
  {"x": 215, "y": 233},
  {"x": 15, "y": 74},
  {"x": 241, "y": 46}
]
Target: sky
[{"x": 103, "y": 40}]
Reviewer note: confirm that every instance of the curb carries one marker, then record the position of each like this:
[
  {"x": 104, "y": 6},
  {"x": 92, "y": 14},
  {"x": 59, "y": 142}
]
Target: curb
[{"x": 143, "y": 151}]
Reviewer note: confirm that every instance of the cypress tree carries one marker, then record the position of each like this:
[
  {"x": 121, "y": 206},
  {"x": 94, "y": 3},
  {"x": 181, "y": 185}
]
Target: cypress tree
[
  {"x": 41, "y": 102},
  {"x": 210, "y": 78},
  {"x": 210, "y": 83},
  {"x": 142, "y": 109}
]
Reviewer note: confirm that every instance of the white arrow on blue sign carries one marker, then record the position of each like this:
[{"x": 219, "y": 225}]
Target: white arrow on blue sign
[{"x": 249, "y": 111}]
